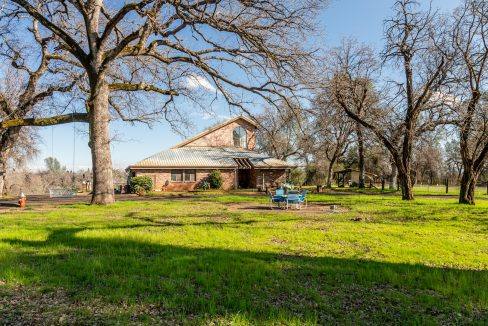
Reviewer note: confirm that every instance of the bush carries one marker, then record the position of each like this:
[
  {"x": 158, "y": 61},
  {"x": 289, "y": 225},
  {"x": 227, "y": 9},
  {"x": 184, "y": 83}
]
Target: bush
[
  {"x": 141, "y": 185},
  {"x": 203, "y": 185},
  {"x": 215, "y": 179},
  {"x": 314, "y": 175},
  {"x": 139, "y": 191},
  {"x": 297, "y": 177}
]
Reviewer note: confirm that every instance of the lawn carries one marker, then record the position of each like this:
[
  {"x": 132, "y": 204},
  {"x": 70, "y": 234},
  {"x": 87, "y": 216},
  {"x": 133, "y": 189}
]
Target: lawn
[{"x": 224, "y": 259}]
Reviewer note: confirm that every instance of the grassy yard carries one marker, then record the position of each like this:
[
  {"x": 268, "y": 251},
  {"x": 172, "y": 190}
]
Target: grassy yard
[{"x": 224, "y": 259}]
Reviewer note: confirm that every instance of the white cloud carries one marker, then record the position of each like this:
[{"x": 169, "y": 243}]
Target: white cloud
[
  {"x": 444, "y": 98},
  {"x": 195, "y": 82}
]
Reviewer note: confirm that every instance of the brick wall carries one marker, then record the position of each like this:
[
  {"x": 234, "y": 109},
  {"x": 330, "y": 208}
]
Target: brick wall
[
  {"x": 223, "y": 137},
  {"x": 162, "y": 177},
  {"x": 272, "y": 178}
]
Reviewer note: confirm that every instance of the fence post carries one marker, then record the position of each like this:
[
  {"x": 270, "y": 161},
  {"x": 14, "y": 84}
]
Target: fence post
[
  {"x": 382, "y": 184},
  {"x": 447, "y": 185}
]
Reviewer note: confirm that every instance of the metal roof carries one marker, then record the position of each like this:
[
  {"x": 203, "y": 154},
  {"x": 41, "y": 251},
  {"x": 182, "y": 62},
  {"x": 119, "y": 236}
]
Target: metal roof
[{"x": 208, "y": 157}]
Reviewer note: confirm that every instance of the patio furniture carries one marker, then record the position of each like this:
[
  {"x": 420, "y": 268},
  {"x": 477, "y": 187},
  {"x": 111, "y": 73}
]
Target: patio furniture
[
  {"x": 294, "y": 199},
  {"x": 278, "y": 198}
]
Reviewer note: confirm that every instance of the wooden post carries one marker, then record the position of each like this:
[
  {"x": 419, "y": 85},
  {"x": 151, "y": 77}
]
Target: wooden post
[
  {"x": 382, "y": 184},
  {"x": 236, "y": 182},
  {"x": 447, "y": 185}
]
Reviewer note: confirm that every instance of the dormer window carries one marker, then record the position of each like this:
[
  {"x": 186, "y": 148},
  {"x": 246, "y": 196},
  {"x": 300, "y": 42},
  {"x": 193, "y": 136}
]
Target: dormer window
[{"x": 240, "y": 137}]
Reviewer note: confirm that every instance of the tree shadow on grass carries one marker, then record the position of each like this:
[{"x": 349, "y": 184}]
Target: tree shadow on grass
[
  {"x": 172, "y": 221},
  {"x": 211, "y": 284}
]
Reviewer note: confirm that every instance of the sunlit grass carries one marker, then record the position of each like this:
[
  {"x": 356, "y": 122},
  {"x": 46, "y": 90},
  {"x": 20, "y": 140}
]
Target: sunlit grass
[{"x": 205, "y": 258}]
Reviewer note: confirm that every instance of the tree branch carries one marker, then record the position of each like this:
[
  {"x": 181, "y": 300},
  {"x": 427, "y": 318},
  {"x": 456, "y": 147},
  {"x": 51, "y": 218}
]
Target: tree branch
[
  {"x": 76, "y": 50},
  {"x": 141, "y": 87},
  {"x": 41, "y": 122}
]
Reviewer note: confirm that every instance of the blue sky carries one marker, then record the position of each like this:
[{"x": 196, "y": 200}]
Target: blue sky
[{"x": 361, "y": 19}]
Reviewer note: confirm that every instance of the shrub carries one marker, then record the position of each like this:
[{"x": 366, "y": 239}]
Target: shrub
[
  {"x": 215, "y": 179},
  {"x": 297, "y": 177},
  {"x": 141, "y": 185},
  {"x": 139, "y": 190},
  {"x": 204, "y": 185}
]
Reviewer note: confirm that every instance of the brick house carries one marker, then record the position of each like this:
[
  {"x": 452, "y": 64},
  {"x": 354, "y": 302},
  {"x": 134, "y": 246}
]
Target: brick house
[{"x": 227, "y": 147}]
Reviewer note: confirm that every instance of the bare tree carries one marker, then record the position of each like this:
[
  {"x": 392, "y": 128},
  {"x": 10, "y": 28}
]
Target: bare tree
[
  {"x": 356, "y": 66},
  {"x": 154, "y": 46},
  {"x": 415, "y": 44},
  {"x": 452, "y": 160},
  {"x": 30, "y": 83},
  {"x": 283, "y": 132},
  {"x": 333, "y": 132},
  {"x": 427, "y": 159},
  {"x": 470, "y": 39}
]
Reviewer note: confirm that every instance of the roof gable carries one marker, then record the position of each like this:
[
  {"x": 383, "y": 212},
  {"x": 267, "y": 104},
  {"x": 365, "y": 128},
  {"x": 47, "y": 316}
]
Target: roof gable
[{"x": 214, "y": 129}]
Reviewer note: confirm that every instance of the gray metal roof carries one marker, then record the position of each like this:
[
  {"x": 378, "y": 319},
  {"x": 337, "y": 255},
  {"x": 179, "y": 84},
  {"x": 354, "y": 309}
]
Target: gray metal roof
[{"x": 208, "y": 157}]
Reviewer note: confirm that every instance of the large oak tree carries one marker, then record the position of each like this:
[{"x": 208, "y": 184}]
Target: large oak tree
[
  {"x": 416, "y": 46},
  {"x": 470, "y": 84},
  {"x": 246, "y": 49}
]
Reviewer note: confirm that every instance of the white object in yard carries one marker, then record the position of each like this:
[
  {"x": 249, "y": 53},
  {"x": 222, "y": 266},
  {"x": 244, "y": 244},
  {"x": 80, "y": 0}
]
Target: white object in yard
[{"x": 61, "y": 193}]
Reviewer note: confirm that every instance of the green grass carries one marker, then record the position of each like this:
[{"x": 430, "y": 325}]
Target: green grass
[
  {"x": 418, "y": 190},
  {"x": 207, "y": 259}
]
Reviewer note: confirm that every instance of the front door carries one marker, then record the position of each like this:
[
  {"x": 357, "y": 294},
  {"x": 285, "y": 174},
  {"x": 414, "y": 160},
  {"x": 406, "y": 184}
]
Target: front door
[{"x": 244, "y": 178}]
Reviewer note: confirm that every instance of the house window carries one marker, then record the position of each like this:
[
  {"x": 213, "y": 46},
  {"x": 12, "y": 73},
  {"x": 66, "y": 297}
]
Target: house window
[
  {"x": 176, "y": 175},
  {"x": 189, "y": 175},
  {"x": 183, "y": 175},
  {"x": 240, "y": 137}
]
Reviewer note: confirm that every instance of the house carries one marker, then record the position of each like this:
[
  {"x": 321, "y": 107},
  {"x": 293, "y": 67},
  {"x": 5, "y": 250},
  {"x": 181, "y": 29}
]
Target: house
[{"x": 227, "y": 147}]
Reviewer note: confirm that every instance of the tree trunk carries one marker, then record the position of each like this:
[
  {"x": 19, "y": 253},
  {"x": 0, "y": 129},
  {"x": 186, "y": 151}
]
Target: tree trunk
[
  {"x": 329, "y": 174},
  {"x": 103, "y": 189},
  {"x": 7, "y": 139},
  {"x": 406, "y": 184},
  {"x": 393, "y": 177},
  {"x": 359, "y": 134},
  {"x": 2, "y": 178},
  {"x": 467, "y": 187},
  {"x": 3, "y": 169}
]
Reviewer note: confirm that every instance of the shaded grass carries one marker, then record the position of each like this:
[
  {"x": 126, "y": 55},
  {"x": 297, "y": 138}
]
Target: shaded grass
[{"x": 198, "y": 261}]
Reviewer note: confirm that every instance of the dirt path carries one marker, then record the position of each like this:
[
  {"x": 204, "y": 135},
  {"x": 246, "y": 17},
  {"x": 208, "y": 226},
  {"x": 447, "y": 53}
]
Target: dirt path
[{"x": 310, "y": 208}]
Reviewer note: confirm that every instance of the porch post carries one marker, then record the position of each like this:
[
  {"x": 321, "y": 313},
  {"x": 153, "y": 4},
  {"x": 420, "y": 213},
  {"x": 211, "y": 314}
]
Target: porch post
[{"x": 235, "y": 179}]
